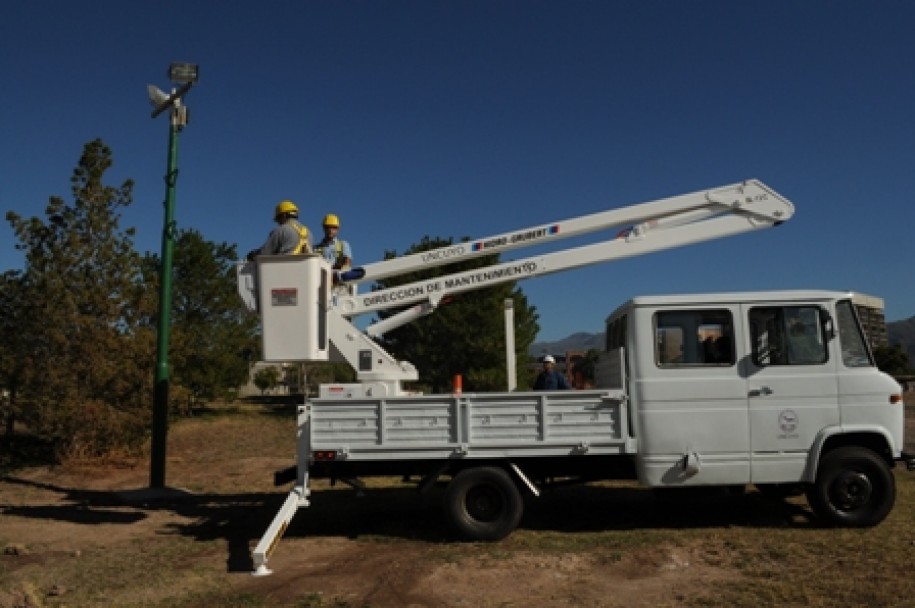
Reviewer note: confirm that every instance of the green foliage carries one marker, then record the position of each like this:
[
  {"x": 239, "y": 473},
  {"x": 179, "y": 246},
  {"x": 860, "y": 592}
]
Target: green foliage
[
  {"x": 332, "y": 372},
  {"x": 15, "y": 365},
  {"x": 212, "y": 335},
  {"x": 267, "y": 378},
  {"x": 82, "y": 300},
  {"x": 893, "y": 360},
  {"x": 466, "y": 334},
  {"x": 79, "y": 322}
]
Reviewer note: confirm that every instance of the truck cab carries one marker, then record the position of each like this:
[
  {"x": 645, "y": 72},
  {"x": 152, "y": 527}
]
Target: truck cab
[{"x": 762, "y": 388}]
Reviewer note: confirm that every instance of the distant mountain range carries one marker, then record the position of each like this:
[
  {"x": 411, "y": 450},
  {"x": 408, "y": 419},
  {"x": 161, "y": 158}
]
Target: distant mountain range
[
  {"x": 898, "y": 332},
  {"x": 580, "y": 341}
]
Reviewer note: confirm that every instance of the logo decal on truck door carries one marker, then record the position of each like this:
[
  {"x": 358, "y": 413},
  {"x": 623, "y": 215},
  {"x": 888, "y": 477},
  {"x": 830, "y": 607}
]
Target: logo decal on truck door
[{"x": 787, "y": 422}]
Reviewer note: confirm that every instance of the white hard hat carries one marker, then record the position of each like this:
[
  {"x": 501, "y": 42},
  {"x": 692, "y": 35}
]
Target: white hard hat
[{"x": 549, "y": 359}]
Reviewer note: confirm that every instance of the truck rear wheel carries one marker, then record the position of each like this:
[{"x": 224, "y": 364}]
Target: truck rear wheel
[
  {"x": 483, "y": 503},
  {"x": 854, "y": 487}
]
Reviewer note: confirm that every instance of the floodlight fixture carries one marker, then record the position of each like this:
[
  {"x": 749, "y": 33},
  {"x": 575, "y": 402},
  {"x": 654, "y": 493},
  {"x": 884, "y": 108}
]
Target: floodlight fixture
[
  {"x": 183, "y": 73},
  {"x": 157, "y": 96}
]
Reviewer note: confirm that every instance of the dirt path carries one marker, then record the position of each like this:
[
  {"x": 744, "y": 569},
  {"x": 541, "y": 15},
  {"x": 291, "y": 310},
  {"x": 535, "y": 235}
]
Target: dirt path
[{"x": 90, "y": 537}]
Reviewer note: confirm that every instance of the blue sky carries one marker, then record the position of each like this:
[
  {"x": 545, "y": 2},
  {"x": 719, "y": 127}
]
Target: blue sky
[{"x": 480, "y": 117}]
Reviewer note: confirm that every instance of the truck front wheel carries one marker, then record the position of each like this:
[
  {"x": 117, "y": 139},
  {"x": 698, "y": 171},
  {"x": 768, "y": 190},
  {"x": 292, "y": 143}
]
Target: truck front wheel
[
  {"x": 483, "y": 504},
  {"x": 854, "y": 487}
]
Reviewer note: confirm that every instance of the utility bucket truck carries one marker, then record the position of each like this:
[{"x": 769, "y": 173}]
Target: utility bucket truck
[{"x": 776, "y": 389}]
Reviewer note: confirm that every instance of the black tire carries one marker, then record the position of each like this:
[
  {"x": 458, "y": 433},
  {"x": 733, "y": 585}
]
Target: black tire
[
  {"x": 483, "y": 504},
  {"x": 854, "y": 487}
]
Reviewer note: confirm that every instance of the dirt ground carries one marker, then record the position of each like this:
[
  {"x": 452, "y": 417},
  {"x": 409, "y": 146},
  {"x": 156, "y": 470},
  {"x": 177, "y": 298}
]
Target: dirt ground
[
  {"x": 57, "y": 522},
  {"x": 94, "y": 535}
]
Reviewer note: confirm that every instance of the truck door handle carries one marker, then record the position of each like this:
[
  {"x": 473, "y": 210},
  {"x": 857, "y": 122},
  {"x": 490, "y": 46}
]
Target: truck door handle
[{"x": 762, "y": 391}]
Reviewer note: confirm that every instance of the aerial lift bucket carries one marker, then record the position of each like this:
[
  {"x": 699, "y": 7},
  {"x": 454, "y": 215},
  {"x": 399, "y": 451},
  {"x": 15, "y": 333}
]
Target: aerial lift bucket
[{"x": 294, "y": 294}]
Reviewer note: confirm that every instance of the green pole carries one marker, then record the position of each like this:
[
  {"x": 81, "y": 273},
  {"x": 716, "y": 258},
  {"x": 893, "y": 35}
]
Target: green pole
[{"x": 160, "y": 388}]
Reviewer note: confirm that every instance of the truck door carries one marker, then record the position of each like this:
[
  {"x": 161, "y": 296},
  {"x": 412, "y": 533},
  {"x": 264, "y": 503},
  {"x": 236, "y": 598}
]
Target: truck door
[
  {"x": 791, "y": 386},
  {"x": 692, "y": 405}
]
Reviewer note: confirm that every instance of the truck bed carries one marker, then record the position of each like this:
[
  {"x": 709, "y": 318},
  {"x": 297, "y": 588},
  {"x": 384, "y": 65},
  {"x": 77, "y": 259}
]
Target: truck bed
[{"x": 491, "y": 425}]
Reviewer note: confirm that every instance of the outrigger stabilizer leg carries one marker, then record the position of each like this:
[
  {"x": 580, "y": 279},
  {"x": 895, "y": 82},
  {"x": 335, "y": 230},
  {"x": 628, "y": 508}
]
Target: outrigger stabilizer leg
[{"x": 298, "y": 497}]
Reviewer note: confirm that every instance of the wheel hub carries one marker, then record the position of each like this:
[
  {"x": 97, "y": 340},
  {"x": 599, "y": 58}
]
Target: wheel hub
[
  {"x": 851, "y": 490},
  {"x": 484, "y": 503}
]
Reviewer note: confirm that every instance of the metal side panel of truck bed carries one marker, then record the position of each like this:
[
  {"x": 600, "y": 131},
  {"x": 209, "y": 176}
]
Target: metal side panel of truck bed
[{"x": 502, "y": 425}]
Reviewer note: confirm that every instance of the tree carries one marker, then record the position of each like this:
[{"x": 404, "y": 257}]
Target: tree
[
  {"x": 267, "y": 378},
  {"x": 893, "y": 360},
  {"x": 466, "y": 335},
  {"x": 325, "y": 372},
  {"x": 84, "y": 390},
  {"x": 212, "y": 335},
  {"x": 15, "y": 363}
]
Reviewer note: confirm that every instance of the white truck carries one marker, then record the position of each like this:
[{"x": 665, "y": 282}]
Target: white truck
[{"x": 775, "y": 389}]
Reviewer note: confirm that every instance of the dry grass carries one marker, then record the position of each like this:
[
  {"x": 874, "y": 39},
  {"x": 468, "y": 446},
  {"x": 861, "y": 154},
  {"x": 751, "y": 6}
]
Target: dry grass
[{"x": 71, "y": 540}]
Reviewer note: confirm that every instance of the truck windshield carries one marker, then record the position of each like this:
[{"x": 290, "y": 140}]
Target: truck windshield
[{"x": 854, "y": 349}]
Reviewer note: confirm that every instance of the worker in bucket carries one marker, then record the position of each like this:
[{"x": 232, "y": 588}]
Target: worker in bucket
[
  {"x": 334, "y": 249},
  {"x": 289, "y": 237},
  {"x": 549, "y": 379}
]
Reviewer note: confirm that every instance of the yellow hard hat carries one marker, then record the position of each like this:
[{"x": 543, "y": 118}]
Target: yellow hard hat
[
  {"x": 331, "y": 220},
  {"x": 286, "y": 207}
]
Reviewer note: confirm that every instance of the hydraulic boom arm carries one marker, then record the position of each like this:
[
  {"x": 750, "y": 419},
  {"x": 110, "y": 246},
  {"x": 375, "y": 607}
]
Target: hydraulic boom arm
[
  {"x": 749, "y": 198},
  {"x": 664, "y": 224},
  {"x": 306, "y": 319}
]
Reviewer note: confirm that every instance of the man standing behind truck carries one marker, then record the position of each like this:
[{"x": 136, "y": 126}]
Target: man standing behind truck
[{"x": 549, "y": 379}]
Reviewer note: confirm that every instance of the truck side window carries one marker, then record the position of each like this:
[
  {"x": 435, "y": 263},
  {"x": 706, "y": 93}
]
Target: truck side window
[
  {"x": 788, "y": 335},
  {"x": 854, "y": 348},
  {"x": 694, "y": 338}
]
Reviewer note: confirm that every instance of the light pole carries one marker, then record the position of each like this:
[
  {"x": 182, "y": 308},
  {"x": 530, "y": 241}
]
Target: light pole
[{"x": 185, "y": 75}]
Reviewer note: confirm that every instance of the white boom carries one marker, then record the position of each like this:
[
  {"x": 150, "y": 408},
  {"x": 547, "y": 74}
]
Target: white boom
[
  {"x": 746, "y": 195},
  {"x": 327, "y": 332}
]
